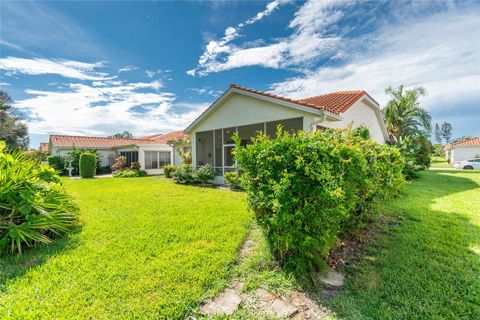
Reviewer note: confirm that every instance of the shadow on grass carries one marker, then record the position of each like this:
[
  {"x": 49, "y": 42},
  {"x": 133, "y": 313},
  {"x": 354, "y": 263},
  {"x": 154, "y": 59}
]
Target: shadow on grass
[
  {"x": 14, "y": 266},
  {"x": 427, "y": 265}
]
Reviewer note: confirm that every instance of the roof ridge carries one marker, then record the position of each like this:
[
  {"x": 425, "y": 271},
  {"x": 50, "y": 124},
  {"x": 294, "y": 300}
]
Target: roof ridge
[{"x": 96, "y": 137}]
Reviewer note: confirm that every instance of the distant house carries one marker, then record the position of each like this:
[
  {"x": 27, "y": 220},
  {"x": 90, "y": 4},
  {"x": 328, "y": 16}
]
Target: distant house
[
  {"x": 43, "y": 146},
  {"x": 463, "y": 150},
  {"x": 152, "y": 152},
  {"x": 249, "y": 111}
]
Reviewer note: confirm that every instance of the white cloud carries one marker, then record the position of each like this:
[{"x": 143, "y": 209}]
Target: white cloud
[
  {"x": 127, "y": 68},
  {"x": 65, "y": 68},
  {"x": 207, "y": 91},
  {"x": 208, "y": 61},
  {"x": 439, "y": 53}
]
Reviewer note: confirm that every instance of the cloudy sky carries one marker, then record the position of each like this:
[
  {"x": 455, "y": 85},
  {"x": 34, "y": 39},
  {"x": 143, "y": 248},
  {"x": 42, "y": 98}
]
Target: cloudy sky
[{"x": 96, "y": 68}]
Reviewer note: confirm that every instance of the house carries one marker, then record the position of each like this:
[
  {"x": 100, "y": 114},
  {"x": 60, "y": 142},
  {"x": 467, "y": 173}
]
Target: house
[
  {"x": 462, "y": 150},
  {"x": 152, "y": 152},
  {"x": 43, "y": 146},
  {"x": 248, "y": 111}
]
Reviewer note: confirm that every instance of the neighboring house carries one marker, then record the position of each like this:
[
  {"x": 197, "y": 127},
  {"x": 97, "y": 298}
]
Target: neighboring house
[
  {"x": 248, "y": 111},
  {"x": 43, "y": 146},
  {"x": 463, "y": 150},
  {"x": 152, "y": 152}
]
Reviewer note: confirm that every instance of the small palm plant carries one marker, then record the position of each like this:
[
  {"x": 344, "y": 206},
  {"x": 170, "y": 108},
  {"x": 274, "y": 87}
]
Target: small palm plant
[{"x": 34, "y": 207}]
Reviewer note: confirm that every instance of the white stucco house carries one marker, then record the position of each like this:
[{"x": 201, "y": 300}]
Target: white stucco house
[
  {"x": 248, "y": 111},
  {"x": 463, "y": 150},
  {"x": 152, "y": 152}
]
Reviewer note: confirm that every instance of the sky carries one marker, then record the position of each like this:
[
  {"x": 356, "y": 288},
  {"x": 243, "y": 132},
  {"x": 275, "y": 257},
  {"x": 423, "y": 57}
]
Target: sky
[{"x": 97, "y": 68}]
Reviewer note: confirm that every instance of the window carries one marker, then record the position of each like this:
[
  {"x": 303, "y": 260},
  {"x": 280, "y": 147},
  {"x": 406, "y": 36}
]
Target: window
[
  {"x": 130, "y": 156},
  {"x": 157, "y": 159},
  {"x": 229, "y": 161}
]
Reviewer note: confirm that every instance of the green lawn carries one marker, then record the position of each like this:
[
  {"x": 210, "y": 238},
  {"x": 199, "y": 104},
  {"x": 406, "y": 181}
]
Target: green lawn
[
  {"x": 148, "y": 249},
  {"x": 440, "y": 162},
  {"x": 426, "y": 264}
]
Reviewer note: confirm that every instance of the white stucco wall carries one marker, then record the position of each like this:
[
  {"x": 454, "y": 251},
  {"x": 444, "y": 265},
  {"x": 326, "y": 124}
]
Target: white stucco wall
[
  {"x": 360, "y": 114},
  {"x": 103, "y": 153},
  {"x": 141, "y": 156},
  {"x": 460, "y": 154}
]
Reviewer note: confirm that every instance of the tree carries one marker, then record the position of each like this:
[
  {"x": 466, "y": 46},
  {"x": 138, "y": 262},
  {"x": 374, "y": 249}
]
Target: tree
[
  {"x": 12, "y": 130},
  {"x": 124, "y": 134},
  {"x": 404, "y": 116},
  {"x": 446, "y": 131},
  {"x": 184, "y": 148},
  {"x": 438, "y": 134}
]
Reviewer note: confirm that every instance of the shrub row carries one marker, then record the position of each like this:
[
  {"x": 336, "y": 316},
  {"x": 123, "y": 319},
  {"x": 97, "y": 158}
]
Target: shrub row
[
  {"x": 34, "y": 206},
  {"x": 309, "y": 189},
  {"x": 185, "y": 174}
]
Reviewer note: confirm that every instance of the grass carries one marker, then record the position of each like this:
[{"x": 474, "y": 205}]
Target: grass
[
  {"x": 148, "y": 249},
  {"x": 440, "y": 162},
  {"x": 427, "y": 265}
]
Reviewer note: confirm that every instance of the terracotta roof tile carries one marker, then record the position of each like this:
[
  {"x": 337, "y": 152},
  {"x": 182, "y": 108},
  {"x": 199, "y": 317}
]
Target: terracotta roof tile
[
  {"x": 43, "y": 146},
  {"x": 93, "y": 142},
  {"x": 335, "y": 102},
  {"x": 171, "y": 136},
  {"x": 472, "y": 142}
]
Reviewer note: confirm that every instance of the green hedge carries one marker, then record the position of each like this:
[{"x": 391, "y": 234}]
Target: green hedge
[
  {"x": 307, "y": 190},
  {"x": 130, "y": 173},
  {"x": 88, "y": 165},
  {"x": 169, "y": 170},
  {"x": 185, "y": 174},
  {"x": 56, "y": 163}
]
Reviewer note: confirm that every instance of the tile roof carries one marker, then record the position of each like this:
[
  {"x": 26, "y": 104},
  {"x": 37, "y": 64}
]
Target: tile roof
[
  {"x": 471, "y": 142},
  {"x": 335, "y": 102},
  {"x": 43, "y": 146},
  {"x": 168, "y": 137},
  {"x": 109, "y": 142}
]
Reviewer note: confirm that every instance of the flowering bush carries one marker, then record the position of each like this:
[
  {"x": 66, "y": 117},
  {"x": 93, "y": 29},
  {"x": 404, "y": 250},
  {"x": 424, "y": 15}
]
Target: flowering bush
[
  {"x": 309, "y": 189},
  {"x": 135, "y": 166},
  {"x": 119, "y": 163}
]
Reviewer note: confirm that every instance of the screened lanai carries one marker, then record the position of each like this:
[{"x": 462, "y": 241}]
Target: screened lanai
[{"x": 215, "y": 146}]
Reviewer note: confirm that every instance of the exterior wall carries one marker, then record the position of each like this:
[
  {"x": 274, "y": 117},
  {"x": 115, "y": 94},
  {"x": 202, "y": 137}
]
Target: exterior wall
[
  {"x": 460, "y": 154},
  {"x": 359, "y": 114},
  {"x": 103, "y": 152},
  {"x": 141, "y": 156}
]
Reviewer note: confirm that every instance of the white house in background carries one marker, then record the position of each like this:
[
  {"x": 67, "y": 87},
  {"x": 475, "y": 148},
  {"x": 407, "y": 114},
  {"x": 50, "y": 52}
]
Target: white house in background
[
  {"x": 248, "y": 111},
  {"x": 463, "y": 150},
  {"x": 152, "y": 152}
]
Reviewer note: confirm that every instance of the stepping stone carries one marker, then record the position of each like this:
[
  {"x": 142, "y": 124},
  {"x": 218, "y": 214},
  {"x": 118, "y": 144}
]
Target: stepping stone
[
  {"x": 224, "y": 304},
  {"x": 332, "y": 279},
  {"x": 281, "y": 309}
]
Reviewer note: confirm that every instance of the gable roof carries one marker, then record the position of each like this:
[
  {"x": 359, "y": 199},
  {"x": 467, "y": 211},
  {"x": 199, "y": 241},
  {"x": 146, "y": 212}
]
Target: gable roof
[
  {"x": 335, "y": 102},
  {"x": 471, "y": 142},
  {"x": 43, "y": 146},
  {"x": 171, "y": 136}
]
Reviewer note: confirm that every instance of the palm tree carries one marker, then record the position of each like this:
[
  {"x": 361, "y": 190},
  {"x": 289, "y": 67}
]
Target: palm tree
[{"x": 404, "y": 116}]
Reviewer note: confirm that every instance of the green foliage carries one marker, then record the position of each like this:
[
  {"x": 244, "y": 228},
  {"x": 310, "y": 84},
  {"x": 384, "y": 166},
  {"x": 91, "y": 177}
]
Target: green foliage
[
  {"x": 204, "y": 174},
  {"x": 308, "y": 189},
  {"x": 104, "y": 170},
  {"x": 135, "y": 166},
  {"x": 57, "y": 163},
  {"x": 88, "y": 165},
  {"x": 12, "y": 130},
  {"x": 438, "y": 150},
  {"x": 232, "y": 179},
  {"x": 37, "y": 155},
  {"x": 74, "y": 157},
  {"x": 403, "y": 115},
  {"x": 169, "y": 170},
  {"x": 185, "y": 174},
  {"x": 34, "y": 207},
  {"x": 446, "y": 131},
  {"x": 417, "y": 154},
  {"x": 124, "y": 134},
  {"x": 130, "y": 173}
]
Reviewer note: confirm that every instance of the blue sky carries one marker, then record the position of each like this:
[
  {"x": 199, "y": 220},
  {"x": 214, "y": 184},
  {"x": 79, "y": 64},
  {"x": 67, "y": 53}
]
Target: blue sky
[{"x": 96, "y": 68}]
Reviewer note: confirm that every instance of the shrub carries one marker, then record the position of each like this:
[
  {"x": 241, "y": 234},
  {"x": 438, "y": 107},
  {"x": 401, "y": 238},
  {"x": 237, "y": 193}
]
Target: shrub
[
  {"x": 34, "y": 207},
  {"x": 57, "y": 163},
  {"x": 135, "y": 166},
  {"x": 233, "y": 179},
  {"x": 104, "y": 170},
  {"x": 184, "y": 174},
  {"x": 308, "y": 189},
  {"x": 74, "y": 157},
  {"x": 88, "y": 165},
  {"x": 37, "y": 155},
  {"x": 203, "y": 174},
  {"x": 169, "y": 170},
  {"x": 119, "y": 163},
  {"x": 129, "y": 173}
]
